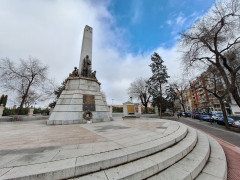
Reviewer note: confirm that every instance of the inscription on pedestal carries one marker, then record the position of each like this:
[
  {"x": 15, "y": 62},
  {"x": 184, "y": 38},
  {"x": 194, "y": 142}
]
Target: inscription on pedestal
[{"x": 88, "y": 102}]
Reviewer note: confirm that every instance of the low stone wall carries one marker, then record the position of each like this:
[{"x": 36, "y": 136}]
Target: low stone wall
[{"x": 22, "y": 118}]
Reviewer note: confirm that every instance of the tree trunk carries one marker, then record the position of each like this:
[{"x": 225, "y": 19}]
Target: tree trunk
[
  {"x": 24, "y": 98},
  {"x": 183, "y": 107},
  {"x": 160, "y": 112},
  {"x": 224, "y": 112},
  {"x": 235, "y": 95},
  {"x": 231, "y": 85},
  {"x": 146, "y": 110}
]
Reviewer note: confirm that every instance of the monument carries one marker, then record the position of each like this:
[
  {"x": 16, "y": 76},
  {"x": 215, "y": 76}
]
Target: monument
[{"x": 81, "y": 101}]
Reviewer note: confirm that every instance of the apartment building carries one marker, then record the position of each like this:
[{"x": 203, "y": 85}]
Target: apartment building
[{"x": 204, "y": 100}]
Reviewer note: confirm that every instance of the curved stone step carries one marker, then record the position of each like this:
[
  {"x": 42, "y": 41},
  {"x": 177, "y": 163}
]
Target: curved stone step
[
  {"x": 191, "y": 165},
  {"x": 216, "y": 167},
  {"x": 76, "y": 166},
  {"x": 88, "y": 164},
  {"x": 150, "y": 165}
]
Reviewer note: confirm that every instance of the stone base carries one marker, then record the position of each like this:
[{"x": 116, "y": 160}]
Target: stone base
[
  {"x": 69, "y": 107},
  {"x": 131, "y": 117},
  {"x": 76, "y": 118},
  {"x": 66, "y": 122}
]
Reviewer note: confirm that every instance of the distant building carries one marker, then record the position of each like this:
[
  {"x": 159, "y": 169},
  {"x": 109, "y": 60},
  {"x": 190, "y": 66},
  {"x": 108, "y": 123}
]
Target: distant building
[{"x": 202, "y": 100}]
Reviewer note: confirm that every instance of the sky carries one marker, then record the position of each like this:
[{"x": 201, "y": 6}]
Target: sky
[{"x": 125, "y": 35}]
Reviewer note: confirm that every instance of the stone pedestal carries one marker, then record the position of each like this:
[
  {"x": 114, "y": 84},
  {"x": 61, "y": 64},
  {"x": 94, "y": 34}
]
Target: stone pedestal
[
  {"x": 110, "y": 109},
  {"x": 140, "y": 109},
  {"x": 30, "y": 112},
  {"x": 50, "y": 111},
  {"x": 81, "y": 95},
  {"x": 1, "y": 109},
  {"x": 156, "y": 110}
]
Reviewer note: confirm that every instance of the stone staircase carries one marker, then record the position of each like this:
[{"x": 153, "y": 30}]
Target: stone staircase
[
  {"x": 180, "y": 152},
  {"x": 196, "y": 156}
]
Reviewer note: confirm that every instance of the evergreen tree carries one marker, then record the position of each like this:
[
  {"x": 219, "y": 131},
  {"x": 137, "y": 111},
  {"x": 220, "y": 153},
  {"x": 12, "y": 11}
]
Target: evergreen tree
[
  {"x": 158, "y": 79},
  {"x": 171, "y": 97},
  {"x": 4, "y": 102},
  {"x": 58, "y": 92},
  {"x": 1, "y": 99}
]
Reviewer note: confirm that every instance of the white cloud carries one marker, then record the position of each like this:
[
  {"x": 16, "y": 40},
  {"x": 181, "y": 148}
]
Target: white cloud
[
  {"x": 169, "y": 22},
  {"x": 180, "y": 20},
  {"x": 52, "y": 31},
  {"x": 136, "y": 11}
]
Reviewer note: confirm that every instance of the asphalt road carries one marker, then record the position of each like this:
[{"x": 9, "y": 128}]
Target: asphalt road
[{"x": 214, "y": 129}]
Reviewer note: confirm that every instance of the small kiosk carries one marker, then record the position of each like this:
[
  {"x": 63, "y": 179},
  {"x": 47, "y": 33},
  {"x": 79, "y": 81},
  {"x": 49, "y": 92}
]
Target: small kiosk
[{"x": 129, "y": 109}]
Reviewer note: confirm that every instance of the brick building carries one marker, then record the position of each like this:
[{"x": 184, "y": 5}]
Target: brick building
[{"x": 203, "y": 100}]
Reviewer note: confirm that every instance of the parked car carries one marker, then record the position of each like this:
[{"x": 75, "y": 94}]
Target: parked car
[
  {"x": 195, "y": 115},
  {"x": 188, "y": 114},
  {"x": 205, "y": 117},
  {"x": 216, "y": 116},
  {"x": 221, "y": 121},
  {"x": 236, "y": 124}
]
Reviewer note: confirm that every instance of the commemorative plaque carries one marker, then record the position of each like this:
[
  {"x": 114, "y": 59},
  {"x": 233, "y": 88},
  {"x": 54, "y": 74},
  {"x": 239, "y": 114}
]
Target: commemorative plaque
[{"x": 88, "y": 102}]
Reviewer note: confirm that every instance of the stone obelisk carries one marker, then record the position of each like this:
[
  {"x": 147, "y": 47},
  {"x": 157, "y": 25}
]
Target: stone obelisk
[
  {"x": 86, "y": 46},
  {"x": 81, "y": 101}
]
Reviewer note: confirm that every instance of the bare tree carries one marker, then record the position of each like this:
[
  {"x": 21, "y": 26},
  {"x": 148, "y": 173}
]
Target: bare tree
[
  {"x": 140, "y": 89},
  {"x": 181, "y": 88},
  {"x": 213, "y": 39},
  {"x": 23, "y": 78}
]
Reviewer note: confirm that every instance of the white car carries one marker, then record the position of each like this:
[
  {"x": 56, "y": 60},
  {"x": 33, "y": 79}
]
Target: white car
[
  {"x": 217, "y": 116},
  {"x": 236, "y": 123}
]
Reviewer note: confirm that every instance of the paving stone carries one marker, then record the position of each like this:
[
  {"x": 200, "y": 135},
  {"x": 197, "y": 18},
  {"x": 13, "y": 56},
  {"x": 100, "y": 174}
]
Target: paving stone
[
  {"x": 4, "y": 170},
  {"x": 87, "y": 164},
  {"x": 216, "y": 167},
  {"x": 94, "y": 176},
  {"x": 33, "y": 158},
  {"x": 173, "y": 174},
  {"x": 8, "y": 158},
  {"x": 72, "y": 153},
  {"x": 142, "y": 169},
  {"x": 205, "y": 176},
  {"x": 49, "y": 171}
]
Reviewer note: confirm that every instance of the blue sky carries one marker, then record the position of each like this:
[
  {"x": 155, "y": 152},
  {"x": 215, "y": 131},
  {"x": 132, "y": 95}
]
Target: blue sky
[
  {"x": 152, "y": 23},
  {"x": 125, "y": 35}
]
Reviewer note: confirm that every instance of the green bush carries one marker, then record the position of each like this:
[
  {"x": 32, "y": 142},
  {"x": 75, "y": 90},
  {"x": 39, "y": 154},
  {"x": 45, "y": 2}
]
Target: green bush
[
  {"x": 9, "y": 112},
  {"x": 117, "y": 109}
]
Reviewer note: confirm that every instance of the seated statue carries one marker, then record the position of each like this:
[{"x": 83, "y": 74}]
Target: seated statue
[
  {"x": 74, "y": 73},
  {"x": 93, "y": 75}
]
